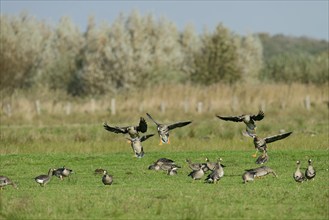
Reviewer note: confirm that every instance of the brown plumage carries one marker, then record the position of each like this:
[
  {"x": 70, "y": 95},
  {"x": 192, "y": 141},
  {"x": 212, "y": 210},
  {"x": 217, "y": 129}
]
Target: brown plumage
[
  {"x": 133, "y": 131},
  {"x": 163, "y": 129},
  {"x": 248, "y": 119}
]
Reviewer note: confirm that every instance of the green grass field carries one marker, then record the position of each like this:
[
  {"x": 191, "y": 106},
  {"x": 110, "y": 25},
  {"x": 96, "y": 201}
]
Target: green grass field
[{"x": 138, "y": 193}]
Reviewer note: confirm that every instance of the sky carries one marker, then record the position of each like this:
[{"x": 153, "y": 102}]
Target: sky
[{"x": 307, "y": 18}]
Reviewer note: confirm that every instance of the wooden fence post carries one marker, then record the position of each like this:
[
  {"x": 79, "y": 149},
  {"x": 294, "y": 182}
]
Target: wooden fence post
[
  {"x": 307, "y": 102},
  {"x": 199, "y": 107},
  {"x": 113, "y": 110},
  {"x": 163, "y": 107},
  {"x": 8, "y": 109},
  {"x": 38, "y": 107},
  {"x": 68, "y": 108}
]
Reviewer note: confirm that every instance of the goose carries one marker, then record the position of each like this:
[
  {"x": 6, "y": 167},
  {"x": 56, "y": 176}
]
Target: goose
[
  {"x": 310, "y": 171},
  {"x": 163, "y": 129},
  {"x": 194, "y": 166},
  {"x": 248, "y": 176},
  {"x": 136, "y": 144},
  {"x": 197, "y": 174},
  {"x": 62, "y": 172},
  {"x": 262, "y": 158},
  {"x": 172, "y": 171},
  {"x": 212, "y": 165},
  {"x": 161, "y": 164},
  {"x": 133, "y": 131},
  {"x": 44, "y": 179},
  {"x": 298, "y": 175},
  {"x": 99, "y": 171},
  {"x": 248, "y": 119},
  {"x": 107, "y": 179},
  {"x": 5, "y": 181},
  {"x": 216, "y": 174},
  {"x": 262, "y": 171},
  {"x": 260, "y": 143}
]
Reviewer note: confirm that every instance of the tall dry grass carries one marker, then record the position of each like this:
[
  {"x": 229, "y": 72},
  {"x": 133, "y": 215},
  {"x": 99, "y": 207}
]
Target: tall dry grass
[{"x": 166, "y": 99}]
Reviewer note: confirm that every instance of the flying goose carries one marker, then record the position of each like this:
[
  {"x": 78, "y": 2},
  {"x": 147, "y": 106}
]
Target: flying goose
[
  {"x": 5, "y": 181},
  {"x": 310, "y": 171},
  {"x": 107, "y": 179},
  {"x": 260, "y": 143},
  {"x": 133, "y": 131},
  {"x": 164, "y": 129},
  {"x": 248, "y": 119},
  {"x": 44, "y": 179},
  {"x": 62, "y": 172},
  {"x": 298, "y": 175},
  {"x": 136, "y": 144}
]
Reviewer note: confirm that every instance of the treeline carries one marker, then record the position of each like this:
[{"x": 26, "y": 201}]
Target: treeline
[{"x": 135, "y": 51}]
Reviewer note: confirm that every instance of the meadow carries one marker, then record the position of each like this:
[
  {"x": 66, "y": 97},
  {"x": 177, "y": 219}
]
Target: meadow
[{"x": 31, "y": 143}]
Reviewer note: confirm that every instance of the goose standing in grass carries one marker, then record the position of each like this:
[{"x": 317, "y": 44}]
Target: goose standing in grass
[
  {"x": 216, "y": 174},
  {"x": 107, "y": 179},
  {"x": 212, "y": 165},
  {"x": 133, "y": 131},
  {"x": 298, "y": 175},
  {"x": 44, "y": 179},
  {"x": 197, "y": 174},
  {"x": 310, "y": 171},
  {"x": 262, "y": 158},
  {"x": 136, "y": 144},
  {"x": 5, "y": 181},
  {"x": 260, "y": 143},
  {"x": 194, "y": 166},
  {"x": 248, "y": 119},
  {"x": 62, "y": 172},
  {"x": 163, "y": 129}
]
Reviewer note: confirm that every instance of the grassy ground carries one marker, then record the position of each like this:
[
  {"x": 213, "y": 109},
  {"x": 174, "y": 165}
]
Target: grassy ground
[
  {"x": 30, "y": 144},
  {"x": 139, "y": 193}
]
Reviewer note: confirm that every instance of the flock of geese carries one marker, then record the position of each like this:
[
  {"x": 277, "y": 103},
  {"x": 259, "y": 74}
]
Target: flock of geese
[{"x": 198, "y": 169}]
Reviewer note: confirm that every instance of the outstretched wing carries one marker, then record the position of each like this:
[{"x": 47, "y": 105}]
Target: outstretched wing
[
  {"x": 277, "y": 137},
  {"x": 142, "y": 127},
  {"x": 145, "y": 137},
  {"x": 259, "y": 116},
  {"x": 114, "y": 129},
  {"x": 150, "y": 117},
  {"x": 178, "y": 124},
  {"x": 231, "y": 118}
]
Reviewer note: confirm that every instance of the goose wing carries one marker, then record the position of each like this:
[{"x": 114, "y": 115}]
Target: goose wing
[
  {"x": 259, "y": 116},
  {"x": 231, "y": 118},
  {"x": 277, "y": 137},
  {"x": 178, "y": 124},
  {"x": 145, "y": 137},
  {"x": 115, "y": 129},
  {"x": 150, "y": 117},
  {"x": 142, "y": 127}
]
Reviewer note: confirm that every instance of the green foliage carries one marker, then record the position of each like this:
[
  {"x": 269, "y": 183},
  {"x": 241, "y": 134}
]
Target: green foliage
[
  {"x": 137, "y": 50},
  {"x": 217, "y": 60}
]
